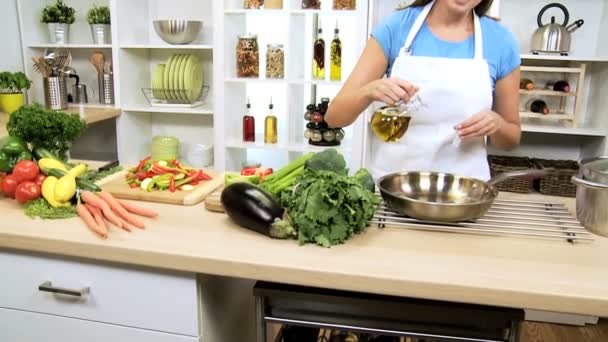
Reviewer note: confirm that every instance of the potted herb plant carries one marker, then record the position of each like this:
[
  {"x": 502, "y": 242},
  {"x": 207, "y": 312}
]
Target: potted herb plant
[
  {"x": 12, "y": 87},
  {"x": 99, "y": 19},
  {"x": 59, "y": 16}
]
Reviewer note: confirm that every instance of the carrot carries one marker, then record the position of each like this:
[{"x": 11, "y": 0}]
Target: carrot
[
  {"x": 86, "y": 216},
  {"x": 122, "y": 212},
  {"x": 93, "y": 200},
  {"x": 125, "y": 225},
  {"x": 132, "y": 208},
  {"x": 97, "y": 215}
]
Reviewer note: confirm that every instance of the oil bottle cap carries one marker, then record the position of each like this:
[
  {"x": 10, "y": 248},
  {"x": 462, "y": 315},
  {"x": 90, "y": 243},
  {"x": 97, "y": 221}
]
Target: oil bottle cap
[
  {"x": 248, "y": 104},
  {"x": 271, "y": 106}
]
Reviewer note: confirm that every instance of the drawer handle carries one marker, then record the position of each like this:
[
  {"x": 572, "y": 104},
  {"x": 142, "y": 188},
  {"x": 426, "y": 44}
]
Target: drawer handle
[{"x": 47, "y": 286}]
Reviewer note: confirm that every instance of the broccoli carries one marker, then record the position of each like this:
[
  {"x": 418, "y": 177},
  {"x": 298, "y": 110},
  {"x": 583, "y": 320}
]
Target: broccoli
[
  {"x": 366, "y": 180},
  {"x": 327, "y": 160}
]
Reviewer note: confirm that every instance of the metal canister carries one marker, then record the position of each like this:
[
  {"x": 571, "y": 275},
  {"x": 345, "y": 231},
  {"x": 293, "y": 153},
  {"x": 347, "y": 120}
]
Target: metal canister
[
  {"x": 55, "y": 92},
  {"x": 106, "y": 88}
]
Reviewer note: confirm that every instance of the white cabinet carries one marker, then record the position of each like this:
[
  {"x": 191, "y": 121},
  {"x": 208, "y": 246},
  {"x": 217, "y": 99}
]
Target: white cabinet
[
  {"x": 24, "y": 326},
  {"x": 117, "y": 296}
]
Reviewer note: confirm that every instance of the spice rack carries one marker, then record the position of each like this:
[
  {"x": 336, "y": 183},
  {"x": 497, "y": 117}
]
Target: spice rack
[{"x": 564, "y": 106}]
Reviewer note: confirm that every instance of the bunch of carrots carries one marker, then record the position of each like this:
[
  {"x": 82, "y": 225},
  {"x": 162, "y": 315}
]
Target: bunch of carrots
[{"x": 102, "y": 207}]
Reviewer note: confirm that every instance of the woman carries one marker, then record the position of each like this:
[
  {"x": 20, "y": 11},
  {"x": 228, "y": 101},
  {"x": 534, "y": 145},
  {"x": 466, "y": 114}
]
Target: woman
[{"x": 463, "y": 66}]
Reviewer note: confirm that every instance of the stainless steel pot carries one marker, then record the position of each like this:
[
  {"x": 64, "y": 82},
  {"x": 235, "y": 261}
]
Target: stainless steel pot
[
  {"x": 553, "y": 37},
  {"x": 443, "y": 197},
  {"x": 592, "y": 195}
]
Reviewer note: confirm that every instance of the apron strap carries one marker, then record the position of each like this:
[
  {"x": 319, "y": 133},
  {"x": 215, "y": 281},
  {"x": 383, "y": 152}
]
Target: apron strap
[{"x": 406, "y": 48}]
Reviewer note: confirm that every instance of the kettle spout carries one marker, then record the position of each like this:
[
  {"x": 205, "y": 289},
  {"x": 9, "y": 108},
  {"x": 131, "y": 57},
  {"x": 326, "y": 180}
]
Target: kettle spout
[{"x": 575, "y": 25}]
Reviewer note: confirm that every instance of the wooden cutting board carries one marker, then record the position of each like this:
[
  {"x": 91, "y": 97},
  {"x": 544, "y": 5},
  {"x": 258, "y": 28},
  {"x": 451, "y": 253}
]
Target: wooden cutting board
[
  {"x": 117, "y": 186},
  {"x": 213, "y": 202}
]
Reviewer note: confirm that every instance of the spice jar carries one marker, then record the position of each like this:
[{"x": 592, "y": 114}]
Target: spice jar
[
  {"x": 275, "y": 61},
  {"x": 311, "y": 4},
  {"x": 329, "y": 135},
  {"x": 316, "y": 136},
  {"x": 345, "y": 4},
  {"x": 248, "y": 56},
  {"x": 308, "y": 114},
  {"x": 252, "y": 4},
  {"x": 273, "y": 4},
  {"x": 339, "y": 135}
]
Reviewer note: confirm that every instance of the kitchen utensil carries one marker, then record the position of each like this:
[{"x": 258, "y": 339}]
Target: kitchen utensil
[
  {"x": 443, "y": 197},
  {"x": 41, "y": 66},
  {"x": 117, "y": 186},
  {"x": 592, "y": 195},
  {"x": 58, "y": 59},
  {"x": 98, "y": 60},
  {"x": 553, "y": 37},
  {"x": 106, "y": 88},
  {"x": 176, "y": 31},
  {"x": 55, "y": 92}
]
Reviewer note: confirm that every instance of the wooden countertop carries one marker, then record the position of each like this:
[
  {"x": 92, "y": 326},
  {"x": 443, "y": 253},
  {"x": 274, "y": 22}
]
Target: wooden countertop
[{"x": 501, "y": 271}]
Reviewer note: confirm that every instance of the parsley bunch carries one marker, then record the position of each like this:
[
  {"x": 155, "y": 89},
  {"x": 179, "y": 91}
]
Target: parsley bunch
[{"x": 53, "y": 130}]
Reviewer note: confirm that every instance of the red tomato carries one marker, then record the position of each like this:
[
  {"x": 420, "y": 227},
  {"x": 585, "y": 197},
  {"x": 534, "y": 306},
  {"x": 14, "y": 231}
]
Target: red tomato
[
  {"x": 40, "y": 179},
  {"x": 26, "y": 170},
  {"x": 9, "y": 185},
  {"x": 27, "y": 191}
]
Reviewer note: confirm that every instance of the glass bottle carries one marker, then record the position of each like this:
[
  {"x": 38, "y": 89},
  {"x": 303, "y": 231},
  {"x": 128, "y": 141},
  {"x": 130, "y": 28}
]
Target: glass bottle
[
  {"x": 248, "y": 56},
  {"x": 270, "y": 126},
  {"x": 275, "y": 61},
  {"x": 318, "y": 65},
  {"x": 248, "y": 125},
  {"x": 335, "y": 66},
  {"x": 309, "y": 111}
]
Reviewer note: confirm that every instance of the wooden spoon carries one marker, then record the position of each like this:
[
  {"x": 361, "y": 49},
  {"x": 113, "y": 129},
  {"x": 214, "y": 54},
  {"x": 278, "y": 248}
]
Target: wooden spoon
[{"x": 98, "y": 60}]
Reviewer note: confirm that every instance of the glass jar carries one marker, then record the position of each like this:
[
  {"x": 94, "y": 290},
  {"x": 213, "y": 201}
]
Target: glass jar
[
  {"x": 253, "y": 4},
  {"x": 164, "y": 148},
  {"x": 329, "y": 135},
  {"x": 275, "y": 61},
  {"x": 345, "y": 4},
  {"x": 273, "y": 4},
  {"x": 316, "y": 136},
  {"x": 309, "y": 111},
  {"x": 339, "y": 134},
  {"x": 311, "y": 4},
  {"x": 248, "y": 56}
]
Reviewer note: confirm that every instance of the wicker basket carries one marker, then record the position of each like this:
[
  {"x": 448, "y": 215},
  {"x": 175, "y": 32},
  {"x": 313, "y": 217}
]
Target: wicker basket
[
  {"x": 558, "y": 183},
  {"x": 502, "y": 164}
]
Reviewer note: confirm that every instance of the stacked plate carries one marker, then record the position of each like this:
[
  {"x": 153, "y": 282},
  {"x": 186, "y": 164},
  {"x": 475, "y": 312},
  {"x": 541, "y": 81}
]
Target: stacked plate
[{"x": 179, "y": 80}]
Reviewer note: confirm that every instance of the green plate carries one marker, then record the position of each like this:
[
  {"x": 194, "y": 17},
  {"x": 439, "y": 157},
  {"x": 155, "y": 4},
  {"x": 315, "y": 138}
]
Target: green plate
[
  {"x": 172, "y": 76},
  {"x": 193, "y": 78},
  {"x": 166, "y": 76},
  {"x": 180, "y": 75},
  {"x": 157, "y": 81},
  {"x": 179, "y": 94}
]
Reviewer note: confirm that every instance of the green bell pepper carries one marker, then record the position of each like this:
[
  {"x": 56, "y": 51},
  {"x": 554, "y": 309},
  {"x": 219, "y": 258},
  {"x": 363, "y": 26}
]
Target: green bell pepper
[{"x": 12, "y": 151}]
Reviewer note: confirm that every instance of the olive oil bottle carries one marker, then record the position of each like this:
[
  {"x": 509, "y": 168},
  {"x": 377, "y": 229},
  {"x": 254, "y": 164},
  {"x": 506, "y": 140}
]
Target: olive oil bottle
[
  {"x": 270, "y": 126},
  {"x": 335, "y": 67},
  {"x": 318, "y": 62}
]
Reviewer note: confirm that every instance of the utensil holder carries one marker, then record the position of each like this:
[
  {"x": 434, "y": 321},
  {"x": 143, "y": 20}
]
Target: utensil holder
[
  {"x": 55, "y": 92},
  {"x": 106, "y": 88}
]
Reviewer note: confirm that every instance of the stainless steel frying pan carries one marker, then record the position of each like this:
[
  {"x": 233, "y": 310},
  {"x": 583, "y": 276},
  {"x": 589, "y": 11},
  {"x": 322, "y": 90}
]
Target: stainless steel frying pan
[{"x": 443, "y": 197}]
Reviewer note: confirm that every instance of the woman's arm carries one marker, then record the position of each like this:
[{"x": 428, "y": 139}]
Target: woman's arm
[
  {"x": 502, "y": 124},
  {"x": 365, "y": 85}
]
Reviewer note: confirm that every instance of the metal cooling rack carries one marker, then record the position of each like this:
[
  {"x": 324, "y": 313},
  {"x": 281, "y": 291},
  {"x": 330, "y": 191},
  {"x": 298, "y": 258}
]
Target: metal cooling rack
[{"x": 505, "y": 217}]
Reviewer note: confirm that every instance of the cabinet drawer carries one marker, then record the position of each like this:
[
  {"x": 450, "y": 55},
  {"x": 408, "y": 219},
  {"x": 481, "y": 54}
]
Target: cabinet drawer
[
  {"x": 23, "y": 326},
  {"x": 129, "y": 297}
]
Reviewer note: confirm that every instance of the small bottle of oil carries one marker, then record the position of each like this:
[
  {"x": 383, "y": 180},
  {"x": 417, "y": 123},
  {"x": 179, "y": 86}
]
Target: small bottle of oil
[
  {"x": 335, "y": 67},
  {"x": 248, "y": 125},
  {"x": 318, "y": 62},
  {"x": 270, "y": 126}
]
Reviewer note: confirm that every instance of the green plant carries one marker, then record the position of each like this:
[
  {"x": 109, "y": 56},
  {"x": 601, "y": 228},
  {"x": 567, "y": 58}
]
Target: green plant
[
  {"x": 53, "y": 130},
  {"x": 58, "y": 12},
  {"x": 13, "y": 83},
  {"x": 99, "y": 15}
]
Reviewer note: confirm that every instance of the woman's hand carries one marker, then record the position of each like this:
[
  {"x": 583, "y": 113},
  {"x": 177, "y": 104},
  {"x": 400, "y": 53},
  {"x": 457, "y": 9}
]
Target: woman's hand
[
  {"x": 389, "y": 90},
  {"x": 480, "y": 125}
]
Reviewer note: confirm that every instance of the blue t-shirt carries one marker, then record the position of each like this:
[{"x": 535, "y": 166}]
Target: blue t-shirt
[{"x": 500, "y": 48}]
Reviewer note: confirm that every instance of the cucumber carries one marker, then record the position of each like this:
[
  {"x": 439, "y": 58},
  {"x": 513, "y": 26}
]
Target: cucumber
[
  {"x": 40, "y": 153},
  {"x": 82, "y": 184}
]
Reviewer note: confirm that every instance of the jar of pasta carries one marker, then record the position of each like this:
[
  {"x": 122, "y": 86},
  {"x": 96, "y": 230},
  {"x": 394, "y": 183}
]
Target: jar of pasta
[
  {"x": 253, "y": 4},
  {"x": 311, "y": 4},
  {"x": 345, "y": 4},
  {"x": 275, "y": 61},
  {"x": 248, "y": 56}
]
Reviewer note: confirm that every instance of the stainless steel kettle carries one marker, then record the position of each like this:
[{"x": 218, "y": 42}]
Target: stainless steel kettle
[{"x": 554, "y": 38}]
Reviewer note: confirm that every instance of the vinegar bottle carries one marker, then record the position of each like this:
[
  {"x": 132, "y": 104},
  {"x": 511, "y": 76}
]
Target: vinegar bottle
[
  {"x": 248, "y": 125},
  {"x": 270, "y": 126},
  {"x": 318, "y": 63},
  {"x": 335, "y": 67}
]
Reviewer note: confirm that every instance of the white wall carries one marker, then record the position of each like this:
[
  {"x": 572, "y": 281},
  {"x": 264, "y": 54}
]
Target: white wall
[{"x": 10, "y": 39}]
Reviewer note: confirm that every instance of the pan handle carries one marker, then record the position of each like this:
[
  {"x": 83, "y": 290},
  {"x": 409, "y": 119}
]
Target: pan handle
[{"x": 535, "y": 173}]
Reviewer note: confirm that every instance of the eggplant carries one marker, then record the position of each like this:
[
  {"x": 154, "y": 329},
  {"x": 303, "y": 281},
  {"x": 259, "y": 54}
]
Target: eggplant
[{"x": 254, "y": 208}]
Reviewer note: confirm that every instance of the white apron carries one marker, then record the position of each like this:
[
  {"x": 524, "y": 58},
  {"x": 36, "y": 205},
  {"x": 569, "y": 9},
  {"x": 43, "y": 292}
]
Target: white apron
[{"x": 452, "y": 90}]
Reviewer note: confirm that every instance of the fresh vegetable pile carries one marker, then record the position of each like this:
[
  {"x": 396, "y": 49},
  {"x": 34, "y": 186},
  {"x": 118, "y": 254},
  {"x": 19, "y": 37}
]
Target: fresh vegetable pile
[
  {"x": 12, "y": 150},
  {"x": 312, "y": 198},
  {"x": 163, "y": 175}
]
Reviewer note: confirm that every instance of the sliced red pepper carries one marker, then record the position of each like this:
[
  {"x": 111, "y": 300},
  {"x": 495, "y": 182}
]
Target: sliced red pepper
[
  {"x": 264, "y": 171},
  {"x": 203, "y": 176},
  {"x": 133, "y": 185},
  {"x": 195, "y": 182},
  {"x": 142, "y": 163},
  {"x": 172, "y": 184},
  {"x": 250, "y": 171}
]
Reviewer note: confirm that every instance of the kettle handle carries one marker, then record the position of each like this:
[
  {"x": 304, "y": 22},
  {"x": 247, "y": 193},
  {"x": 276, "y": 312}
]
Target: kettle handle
[{"x": 539, "y": 19}]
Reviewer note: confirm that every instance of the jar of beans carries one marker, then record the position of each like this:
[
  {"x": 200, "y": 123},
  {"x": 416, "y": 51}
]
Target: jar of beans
[
  {"x": 253, "y": 4},
  {"x": 345, "y": 4},
  {"x": 311, "y": 4},
  {"x": 248, "y": 56},
  {"x": 275, "y": 61}
]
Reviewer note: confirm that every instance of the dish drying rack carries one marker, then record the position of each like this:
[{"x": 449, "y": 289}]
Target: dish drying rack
[
  {"x": 527, "y": 219},
  {"x": 176, "y": 97}
]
